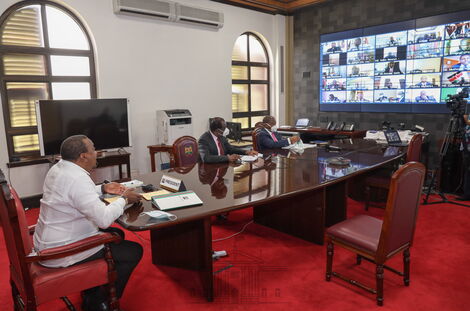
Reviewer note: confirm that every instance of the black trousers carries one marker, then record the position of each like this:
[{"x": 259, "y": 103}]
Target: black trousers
[{"x": 126, "y": 255}]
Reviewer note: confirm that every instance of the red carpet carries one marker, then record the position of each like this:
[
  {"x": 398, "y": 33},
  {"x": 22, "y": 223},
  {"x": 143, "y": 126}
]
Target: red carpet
[{"x": 268, "y": 270}]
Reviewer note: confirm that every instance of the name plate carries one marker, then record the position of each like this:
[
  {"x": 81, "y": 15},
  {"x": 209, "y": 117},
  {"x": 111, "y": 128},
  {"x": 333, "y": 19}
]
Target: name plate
[{"x": 172, "y": 184}]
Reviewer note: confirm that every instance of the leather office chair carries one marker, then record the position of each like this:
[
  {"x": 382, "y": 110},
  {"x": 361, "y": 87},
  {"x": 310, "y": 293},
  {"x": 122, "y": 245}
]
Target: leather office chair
[
  {"x": 33, "y": 284},
  {"x": 381, "y": 179},
  {"x": 376, "y": 240},
  {"x": 183, "y": 153}
]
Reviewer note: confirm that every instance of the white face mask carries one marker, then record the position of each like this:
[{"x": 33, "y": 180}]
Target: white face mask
[
  {"x": 226, "y": 132},
  {"x": 273, "y": 128}
]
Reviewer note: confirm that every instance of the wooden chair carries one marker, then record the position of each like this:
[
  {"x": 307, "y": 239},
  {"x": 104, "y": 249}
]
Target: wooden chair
[
  {"x": 376, "y": 240},
  {"x": 381, "y": 179},
  {"x": 33, "y": 284},
  {"x": 183, "y": 153},
  {"x": 259, "y": 126}
]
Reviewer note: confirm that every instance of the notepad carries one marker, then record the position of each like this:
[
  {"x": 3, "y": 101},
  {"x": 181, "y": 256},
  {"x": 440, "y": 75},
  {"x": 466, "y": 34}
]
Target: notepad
[
  {"x": 148, "y": 196},
  {"x": 176, "y": 200}
]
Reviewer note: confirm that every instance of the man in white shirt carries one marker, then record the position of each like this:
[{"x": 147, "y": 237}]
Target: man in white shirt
[{"x": 71, "y": 210}]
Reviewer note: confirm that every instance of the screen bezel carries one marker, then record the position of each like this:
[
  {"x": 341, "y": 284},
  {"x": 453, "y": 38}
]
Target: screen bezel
[
  {"x": 39, "y": 121},
  {"x": 406, "y": 25}
]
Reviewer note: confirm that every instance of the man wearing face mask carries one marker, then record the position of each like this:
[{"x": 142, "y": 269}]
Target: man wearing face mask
[
  {"x": 214, "y": 147},
  {"x": 269, "y": 138}
]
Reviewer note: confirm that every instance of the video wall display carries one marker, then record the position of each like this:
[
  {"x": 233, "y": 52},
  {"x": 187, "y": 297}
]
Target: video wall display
[{"x": 397, "y": 67}]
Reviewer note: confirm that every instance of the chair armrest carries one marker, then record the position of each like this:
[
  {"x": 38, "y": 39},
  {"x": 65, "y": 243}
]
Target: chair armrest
[
  {"x": 74, "y": 248},
  {"x": 31, "y": 228}
]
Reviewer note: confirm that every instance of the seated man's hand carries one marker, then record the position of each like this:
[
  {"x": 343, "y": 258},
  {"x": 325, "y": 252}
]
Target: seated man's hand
[
  {"x": 294, "y": 139},
  {"x": 132, "y": 196},
  {"x": 251, "y": 152},
  {"x": 114, "y": 188},
  {"x": 233, "y": 157}
]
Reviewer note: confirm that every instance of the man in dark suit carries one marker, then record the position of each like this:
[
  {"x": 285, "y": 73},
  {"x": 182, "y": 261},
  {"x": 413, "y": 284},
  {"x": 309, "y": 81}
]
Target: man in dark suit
[
  {"x": 464, "y": 63},
  {"x": 269, "y": 138},
  {"x": 424, "y": 98},
  {"x": 424, "y": 82},
  {"x": 213, "y": 175},
  {"x": 214, "y": 147}
]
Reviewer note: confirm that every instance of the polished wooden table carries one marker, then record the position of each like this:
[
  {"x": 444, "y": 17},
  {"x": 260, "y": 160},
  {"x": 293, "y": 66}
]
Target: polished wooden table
[
  {"x": 325, "y": 132},
  {"x": 299, "y": 194}
]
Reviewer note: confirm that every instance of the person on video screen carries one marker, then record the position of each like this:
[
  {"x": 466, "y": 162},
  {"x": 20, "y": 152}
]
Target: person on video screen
[
  {"x": 334, "y": 48},
  {"x": 464, "y": 63},
  {"x": 464, "y": 46},
  {"x": 333, "y": 98},
  {"x": 393, "y": 67},
  {"x": 424, "y": 82},
  {"x": 424, "y": 98},
  {"x": 360, "y": 97}
]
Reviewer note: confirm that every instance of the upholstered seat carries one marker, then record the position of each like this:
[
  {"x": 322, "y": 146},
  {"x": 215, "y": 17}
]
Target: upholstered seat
[
  {"x": 362, "y": 231},
  {"x": 183, "y": 153},
  {"x": 376, "y": 240},
  {"x": 33, "y": 284},
  {"x": 259, "y": 126}
]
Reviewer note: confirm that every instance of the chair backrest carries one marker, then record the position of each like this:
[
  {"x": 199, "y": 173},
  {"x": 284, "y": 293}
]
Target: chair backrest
[
  {"x": 401, "y": 210},
  {"x": 414, "y": 148},
  {"x": 259, "y": 126},
  {"x": 15, "y": 231},
  {"x": 185, "y": 152}
]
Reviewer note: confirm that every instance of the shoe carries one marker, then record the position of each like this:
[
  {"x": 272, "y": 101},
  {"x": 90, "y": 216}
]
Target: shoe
[{"x": 463, "y": 198}]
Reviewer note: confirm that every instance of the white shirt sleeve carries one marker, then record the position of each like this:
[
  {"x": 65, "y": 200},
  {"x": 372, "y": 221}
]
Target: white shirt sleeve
[{"x": 85, "y": 199}]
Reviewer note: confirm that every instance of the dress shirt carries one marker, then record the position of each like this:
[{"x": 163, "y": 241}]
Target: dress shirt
[
  {"x": 71, "y": 210},
  {"x": 218, "y": 143},
  {"x": 274, "y": 137}
]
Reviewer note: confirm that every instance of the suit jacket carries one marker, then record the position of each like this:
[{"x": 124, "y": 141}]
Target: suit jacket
[
  {"x": 424, "y": 84},
  {"x": 265, "y": 140},
  {"x": 209, "y": 153}
]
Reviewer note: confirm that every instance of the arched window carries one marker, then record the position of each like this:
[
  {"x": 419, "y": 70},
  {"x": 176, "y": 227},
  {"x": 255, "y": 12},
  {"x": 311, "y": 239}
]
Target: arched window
[
  {"x": 250, "y": 80},
  {"x": 45, "y": 53}
]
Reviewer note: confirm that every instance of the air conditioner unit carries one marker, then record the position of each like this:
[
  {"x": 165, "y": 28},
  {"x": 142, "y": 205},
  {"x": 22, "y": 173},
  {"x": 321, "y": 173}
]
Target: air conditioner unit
[
  {"x": 195, "y": 15},
  {"x": 153, "y": 8}
]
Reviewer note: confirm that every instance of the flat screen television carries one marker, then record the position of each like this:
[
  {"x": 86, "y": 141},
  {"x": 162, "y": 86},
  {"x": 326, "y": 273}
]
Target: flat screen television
[
  {"x": 409, "y": 66},
  {"x": 104, "y": 121}
]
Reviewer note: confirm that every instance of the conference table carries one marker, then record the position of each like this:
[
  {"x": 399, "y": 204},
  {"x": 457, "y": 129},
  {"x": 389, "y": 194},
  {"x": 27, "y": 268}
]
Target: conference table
[{"x": 300, "y": 194}]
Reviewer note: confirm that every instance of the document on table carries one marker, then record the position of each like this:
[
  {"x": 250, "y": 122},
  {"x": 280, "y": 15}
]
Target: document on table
[
  {"x": 248, "y": 158},
  {"x": 148, "y": 195},
  {"x": 176, "y": 200}
]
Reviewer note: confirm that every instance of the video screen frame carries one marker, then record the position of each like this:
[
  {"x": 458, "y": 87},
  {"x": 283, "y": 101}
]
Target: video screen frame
[{"x": 447, "y": 41}]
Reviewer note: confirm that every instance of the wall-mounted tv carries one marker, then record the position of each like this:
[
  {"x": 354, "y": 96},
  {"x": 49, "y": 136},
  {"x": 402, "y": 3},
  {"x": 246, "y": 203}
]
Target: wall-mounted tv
[
  {"x": 104, "y": 121},
  {"x": 409, "y": 66}
]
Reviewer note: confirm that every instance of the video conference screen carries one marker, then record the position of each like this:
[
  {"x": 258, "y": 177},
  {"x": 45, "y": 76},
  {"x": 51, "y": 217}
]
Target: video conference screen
[{"x": 409, "y": 66}]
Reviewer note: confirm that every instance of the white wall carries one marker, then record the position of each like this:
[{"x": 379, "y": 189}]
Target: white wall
[{"x": 162, "y": 65}]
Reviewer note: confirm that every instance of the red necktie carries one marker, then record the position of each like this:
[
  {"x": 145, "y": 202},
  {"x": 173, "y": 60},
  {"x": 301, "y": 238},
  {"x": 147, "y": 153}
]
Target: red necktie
[
  {"x": 274, "y": 137},
  {"x": 221, "y": 149}
]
